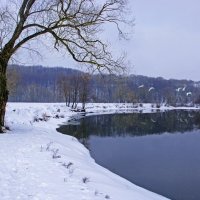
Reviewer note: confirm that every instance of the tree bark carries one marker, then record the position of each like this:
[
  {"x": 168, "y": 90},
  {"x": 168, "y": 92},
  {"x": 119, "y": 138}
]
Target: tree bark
[{"x": 3, "y": 93}]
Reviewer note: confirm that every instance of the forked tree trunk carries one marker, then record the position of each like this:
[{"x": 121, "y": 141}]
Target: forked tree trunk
[{"x": 3, "y": 93}]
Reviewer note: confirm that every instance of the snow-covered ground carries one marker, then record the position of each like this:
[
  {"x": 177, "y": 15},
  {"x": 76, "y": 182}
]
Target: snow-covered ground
[
  {"x": 38, "y": 163},
  {"x": 129, "y": 107}
]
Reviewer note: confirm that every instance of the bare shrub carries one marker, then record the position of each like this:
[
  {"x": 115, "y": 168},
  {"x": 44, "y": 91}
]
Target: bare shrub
[
  {"x": 67, "y": 165},
  {"x": 157, "y": 105},
  {"x": 85, "y": 180},
  {"x": 36, "y": 119},
  {"x": 107, "y": 197},
  {"x": 48, "y": 146},
  {"x": 55, "y": 154},
  {"x": 45, "y": 117}
]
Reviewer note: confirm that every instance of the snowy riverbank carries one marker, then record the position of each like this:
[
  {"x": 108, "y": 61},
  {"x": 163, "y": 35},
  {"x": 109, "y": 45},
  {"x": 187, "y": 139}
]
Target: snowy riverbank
[{"x": 38, "y": 163}]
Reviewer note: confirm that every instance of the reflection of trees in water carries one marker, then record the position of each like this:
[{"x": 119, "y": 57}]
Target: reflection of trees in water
[{"x": 134, "y": 124}]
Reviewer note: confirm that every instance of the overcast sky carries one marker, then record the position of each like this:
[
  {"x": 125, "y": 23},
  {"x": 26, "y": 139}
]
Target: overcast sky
[{"x": 166, "y": 40}]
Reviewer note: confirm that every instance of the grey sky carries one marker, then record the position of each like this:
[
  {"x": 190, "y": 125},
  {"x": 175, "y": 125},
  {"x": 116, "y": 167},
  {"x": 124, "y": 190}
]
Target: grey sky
[{"x": 166, "y": 40}]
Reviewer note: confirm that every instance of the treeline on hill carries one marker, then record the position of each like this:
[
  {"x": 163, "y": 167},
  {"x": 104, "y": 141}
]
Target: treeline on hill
[{"x": 43, "y": 84}]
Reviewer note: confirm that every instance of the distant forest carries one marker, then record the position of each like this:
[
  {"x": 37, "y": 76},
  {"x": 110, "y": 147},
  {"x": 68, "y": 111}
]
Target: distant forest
[{"x": 42, "y": 84}]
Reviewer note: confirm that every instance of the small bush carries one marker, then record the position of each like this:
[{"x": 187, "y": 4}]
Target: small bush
[
  {"x": 55, "y": 154},
  {"x": 67, "y": 165},
  {"x": 57, "y": 116},
  {"x": 157, "y": 105},
  {"x": 135, "y": 105},
  {"x": 45, "y": 117},
  {"x": 7, "y": 128},
  {"x": 48, "y": 146},
  {"x": 36, "y": 119},
  {"x": 85, "y": 180}
]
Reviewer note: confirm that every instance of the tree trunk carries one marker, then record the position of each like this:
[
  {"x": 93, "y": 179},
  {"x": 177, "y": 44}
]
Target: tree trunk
[
  {"x": 3, "y": 93},
  {"x": 69, "y": 99},
  {"x": 66, "y": 100}
]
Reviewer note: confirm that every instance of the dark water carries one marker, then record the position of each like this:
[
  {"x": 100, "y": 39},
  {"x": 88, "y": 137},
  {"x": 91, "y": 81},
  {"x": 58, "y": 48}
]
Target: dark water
[{"x": 157, "y": 151}]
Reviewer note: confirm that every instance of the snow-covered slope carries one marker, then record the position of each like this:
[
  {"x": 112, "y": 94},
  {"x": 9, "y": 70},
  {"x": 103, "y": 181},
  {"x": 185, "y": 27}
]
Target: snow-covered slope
[{"x": 38, "y": 163}]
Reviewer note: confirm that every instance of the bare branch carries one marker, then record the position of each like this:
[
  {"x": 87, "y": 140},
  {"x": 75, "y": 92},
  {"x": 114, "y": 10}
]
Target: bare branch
[{"x": 72, "y": 25}]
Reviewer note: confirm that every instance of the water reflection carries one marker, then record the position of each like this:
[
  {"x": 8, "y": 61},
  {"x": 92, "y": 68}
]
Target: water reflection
[
  {"x": 165, "y": 161},
  {"x": 134, "y": 124}
]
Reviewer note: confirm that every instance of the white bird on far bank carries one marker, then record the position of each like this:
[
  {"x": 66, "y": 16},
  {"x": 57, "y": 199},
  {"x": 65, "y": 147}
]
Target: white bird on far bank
[
  {"x": 178, "y": 89},
  {"x": 189, "y": 93},
  {"x": 151, "y": 88},
  {"x": 184, "y": 89},
  {"x": 141, "y": 86}
]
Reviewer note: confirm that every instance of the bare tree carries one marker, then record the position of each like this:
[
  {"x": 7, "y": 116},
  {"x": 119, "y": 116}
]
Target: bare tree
[
  {"x": 69, "y": 24},
  {"x": 65, "y": 88},
  {"x": 75, "y": 89},
  {"x": 84, "y": 89},
  {"x": 122, "y": 89}
]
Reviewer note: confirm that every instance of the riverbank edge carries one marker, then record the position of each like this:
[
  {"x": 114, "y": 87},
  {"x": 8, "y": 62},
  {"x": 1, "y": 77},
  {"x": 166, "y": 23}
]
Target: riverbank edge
[{"x": 31, "y": 112}]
